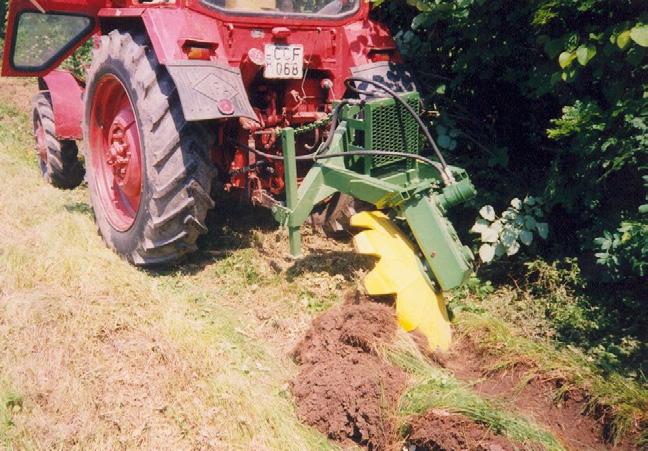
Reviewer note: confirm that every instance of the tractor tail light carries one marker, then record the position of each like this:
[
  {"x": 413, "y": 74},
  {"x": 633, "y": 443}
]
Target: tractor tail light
[
  {"x": 198, "y": 49},
  {"x": 198, "y": 53},
  {"x": 383, "y": 54}
]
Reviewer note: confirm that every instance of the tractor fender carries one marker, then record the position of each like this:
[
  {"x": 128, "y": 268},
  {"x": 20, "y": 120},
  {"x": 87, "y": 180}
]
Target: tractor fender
[
  {"x": 209, "y": 90},
  {"x": 66, "y": 93}
]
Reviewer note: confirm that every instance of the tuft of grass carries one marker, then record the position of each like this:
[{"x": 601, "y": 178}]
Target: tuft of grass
[
  {"x": 11, "y": 402},
  {"x": 11, "y": 405},
  {"x": 623, "y": 402},
  {"x": 436, "y": 388}
]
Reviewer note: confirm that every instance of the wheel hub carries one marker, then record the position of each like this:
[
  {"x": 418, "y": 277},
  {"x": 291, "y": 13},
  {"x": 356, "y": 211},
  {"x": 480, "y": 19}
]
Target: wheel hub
[{"x": 119, "y": 152}]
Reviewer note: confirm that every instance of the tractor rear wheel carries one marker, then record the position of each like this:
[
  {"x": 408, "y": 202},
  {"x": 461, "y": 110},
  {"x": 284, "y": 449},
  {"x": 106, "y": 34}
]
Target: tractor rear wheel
[
  {"x": 58, "y": 160},
  {"x": 149, "y": 172}
]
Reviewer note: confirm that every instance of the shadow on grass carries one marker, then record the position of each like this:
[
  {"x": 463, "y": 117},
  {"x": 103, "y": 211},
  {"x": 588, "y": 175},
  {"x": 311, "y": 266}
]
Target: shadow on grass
[
  {"x": 331, "y": 262},
  {"x": 231, "y": 227},
  {"x": 573, "y": 308}
]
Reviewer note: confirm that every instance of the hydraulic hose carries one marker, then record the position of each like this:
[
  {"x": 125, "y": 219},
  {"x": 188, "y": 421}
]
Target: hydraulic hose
[{"x": 352, "y": 153}]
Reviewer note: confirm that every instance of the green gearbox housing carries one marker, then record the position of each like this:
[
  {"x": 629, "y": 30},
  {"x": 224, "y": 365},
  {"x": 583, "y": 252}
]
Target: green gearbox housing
[{"x": 412, "y": 192}]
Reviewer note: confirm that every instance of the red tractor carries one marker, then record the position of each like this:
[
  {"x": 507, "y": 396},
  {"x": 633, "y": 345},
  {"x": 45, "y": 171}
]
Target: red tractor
[
  {"x": 173, "y": 87},
  {"x": 299, "y": 105}
]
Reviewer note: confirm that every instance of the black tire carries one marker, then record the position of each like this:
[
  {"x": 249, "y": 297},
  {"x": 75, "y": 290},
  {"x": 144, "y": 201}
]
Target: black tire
[
  {"x": 61, "y": 167},
  {"x": 176, "y": 171}
]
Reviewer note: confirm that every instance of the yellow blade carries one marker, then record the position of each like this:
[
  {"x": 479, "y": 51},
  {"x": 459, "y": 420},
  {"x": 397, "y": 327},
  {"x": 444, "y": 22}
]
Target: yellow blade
[{"x": 399, "y": 272}]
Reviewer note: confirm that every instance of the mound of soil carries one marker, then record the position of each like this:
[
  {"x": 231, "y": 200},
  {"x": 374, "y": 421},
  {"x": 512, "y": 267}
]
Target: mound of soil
[
  {"x": 439, "y": 430},
  {"x": 344, "y": 389}
]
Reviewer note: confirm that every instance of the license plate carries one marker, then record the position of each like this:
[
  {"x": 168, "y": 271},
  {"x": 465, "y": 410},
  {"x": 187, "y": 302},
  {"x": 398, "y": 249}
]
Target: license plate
[{"x": 284, "y": 61}]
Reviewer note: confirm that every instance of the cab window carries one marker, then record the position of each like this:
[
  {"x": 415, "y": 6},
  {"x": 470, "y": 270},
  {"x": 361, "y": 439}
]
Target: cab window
[
  {"x": 308, "y": 8},
  {"x": 41, "y": 38}
]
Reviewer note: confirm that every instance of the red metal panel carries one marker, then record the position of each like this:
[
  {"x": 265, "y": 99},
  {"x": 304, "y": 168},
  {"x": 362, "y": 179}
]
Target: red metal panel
[
  {"x": 168, "y": 28},
  {"x": 333, "y": 46},
  {"x": 67, "y": 101},
  {"x": 121, "y": 12}
]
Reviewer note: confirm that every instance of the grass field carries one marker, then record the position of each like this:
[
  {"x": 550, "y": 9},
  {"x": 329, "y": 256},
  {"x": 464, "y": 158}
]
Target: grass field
[{"x": 95, "y": 354}]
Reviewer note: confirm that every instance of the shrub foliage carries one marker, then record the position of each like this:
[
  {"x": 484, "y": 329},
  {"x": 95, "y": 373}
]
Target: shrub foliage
[{"x": 548, "y": 98}]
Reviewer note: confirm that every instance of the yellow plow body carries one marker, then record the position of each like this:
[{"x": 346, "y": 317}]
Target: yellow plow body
[{"x": 399, "y": 272}]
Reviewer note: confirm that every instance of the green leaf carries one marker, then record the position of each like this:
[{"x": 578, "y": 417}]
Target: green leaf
[
  {"x": 635, "y": 55},
  {"x": 509, "y": 236},
  {"x": 623, "y": 39},
  {"x": 543, "y": 230},
  {"x": 421, "y": 21},
  {"x": 529, "y": 222},
  {"x": 585, "y": 53},
  {"x": 509, "y": 215},
  {"x": 480, "y": 226},
  {"x": 489, "y": 235},
  {"x": 513, "y": 248},
  {"x": 526, "y": 237},
  {"x": 487, "y": 212},
  {"x": 639, "y": 34},
  {"x": 487, "y": 253},
  {"x": 444, "y": 141},
  {"x": 552, "y": 47},
  {"x": 566, "y": 58}
]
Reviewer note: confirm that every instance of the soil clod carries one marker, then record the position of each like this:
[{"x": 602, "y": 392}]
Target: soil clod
[
  {"x": 440, "y": 430},
  {"x": 344, "y": 389}
]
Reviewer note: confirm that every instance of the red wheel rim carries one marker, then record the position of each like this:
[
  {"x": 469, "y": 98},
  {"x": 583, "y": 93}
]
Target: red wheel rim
[
  {"x": 115, "y": 152},
  {"x": 41, "y": 144}
]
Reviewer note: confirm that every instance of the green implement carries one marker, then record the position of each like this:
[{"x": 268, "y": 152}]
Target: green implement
[{"x": 373, "y": 156}]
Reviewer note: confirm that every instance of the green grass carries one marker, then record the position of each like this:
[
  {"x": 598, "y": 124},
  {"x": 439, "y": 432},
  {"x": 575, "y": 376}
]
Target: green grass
[
  {"x": 437, "y": 388},
  {"x": 11, "y": 402}
]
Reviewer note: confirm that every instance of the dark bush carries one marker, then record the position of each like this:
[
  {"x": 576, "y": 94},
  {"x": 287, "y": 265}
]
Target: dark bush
[{"x": 543, "y": 97}]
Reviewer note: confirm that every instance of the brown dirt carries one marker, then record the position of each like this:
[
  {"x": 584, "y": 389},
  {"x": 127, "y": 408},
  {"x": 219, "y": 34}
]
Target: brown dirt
[
  {"x": 344, "y": 389},
  {"x": 533, "y": 395},
  {"x": 439, "y": 430},
  {"x": 347, "y": 392}
]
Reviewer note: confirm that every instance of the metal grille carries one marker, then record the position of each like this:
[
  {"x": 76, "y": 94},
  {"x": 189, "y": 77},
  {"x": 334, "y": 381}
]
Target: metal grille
[{"x": 393, "y": 128}]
